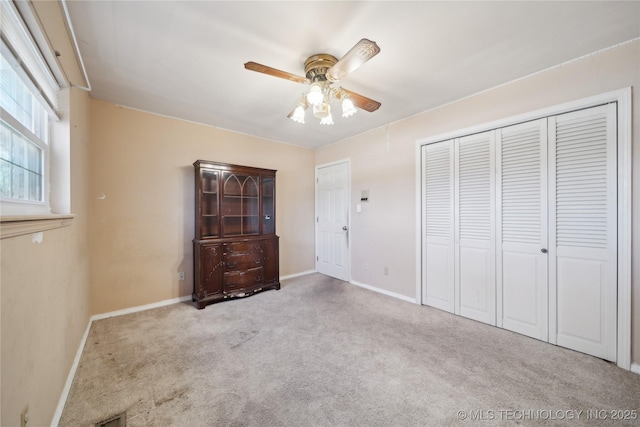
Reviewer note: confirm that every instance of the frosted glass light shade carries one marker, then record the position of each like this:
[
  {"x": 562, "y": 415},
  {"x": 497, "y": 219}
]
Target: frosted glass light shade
[
  {"x": 327, "y": 120},
  {"x": 298, "y": 114},
  {"x": 315, "y": 95},
  {"x": 347, "y": 108}
]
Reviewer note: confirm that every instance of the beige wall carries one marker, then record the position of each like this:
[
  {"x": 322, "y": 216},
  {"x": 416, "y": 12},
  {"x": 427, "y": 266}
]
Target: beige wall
[
  {"x": 45, "y": 295},
  {"x": 384, "y": 233},
  {"x": 45, "y": 287},
  {"x": 142, "y": 202}
]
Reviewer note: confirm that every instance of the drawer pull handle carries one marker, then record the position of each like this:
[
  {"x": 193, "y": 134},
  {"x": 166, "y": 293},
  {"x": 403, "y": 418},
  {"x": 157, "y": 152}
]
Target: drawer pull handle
[
  {"x": 231, "y": 265},
  {"x": 258, "y": 261},
  {"x": 258, "y": 279},
  {"x": 267, "y": 217},
  {"x": 256, "y": 247}
]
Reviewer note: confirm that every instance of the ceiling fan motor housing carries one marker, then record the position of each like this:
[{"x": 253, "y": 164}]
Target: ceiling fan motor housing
[{"x": 316, "y": 66}]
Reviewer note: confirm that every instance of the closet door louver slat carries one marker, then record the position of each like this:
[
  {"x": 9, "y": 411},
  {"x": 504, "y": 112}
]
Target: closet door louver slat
[
  {"x": 571, "y": 207},
  {"x": 438, "y": 191},
  {"x": 521, "y": 179}
]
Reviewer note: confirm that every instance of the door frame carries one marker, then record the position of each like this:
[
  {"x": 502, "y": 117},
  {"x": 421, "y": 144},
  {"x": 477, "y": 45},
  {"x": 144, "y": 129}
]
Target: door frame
[
  {"x": 624, "y": 121},
  {"x": 315, "y": 224}
]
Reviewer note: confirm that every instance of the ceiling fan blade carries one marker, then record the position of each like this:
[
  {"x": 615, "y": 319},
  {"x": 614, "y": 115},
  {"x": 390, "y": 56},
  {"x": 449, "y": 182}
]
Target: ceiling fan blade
[
  {"x": 363, "y": 51},
  {"x": 254, "y": 66},
  {"x": 362, "y": 102}
]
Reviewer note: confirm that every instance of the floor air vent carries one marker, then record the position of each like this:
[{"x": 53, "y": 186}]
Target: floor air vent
[{"x": 119, "y": 420}]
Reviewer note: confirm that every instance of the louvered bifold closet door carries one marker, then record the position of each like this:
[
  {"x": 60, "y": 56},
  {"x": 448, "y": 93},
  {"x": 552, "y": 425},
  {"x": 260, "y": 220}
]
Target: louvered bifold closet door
[
  {"x": 438, "y": 247},
  {"x": 475, "y": 227},
  {"x": 583, "y": 231},
  {"x": 521, "y": 263}
]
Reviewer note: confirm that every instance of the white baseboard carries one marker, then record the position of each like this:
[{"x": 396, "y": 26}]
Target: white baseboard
[
  {"x": 291, "y": 276},
  {"x": 635, "y": 368},
  {"x": 76, "y": 361},
  {"x": 72, "y": 373},
  {"x": 383, "y": 291},
  {"x": 140, "y": 308}
]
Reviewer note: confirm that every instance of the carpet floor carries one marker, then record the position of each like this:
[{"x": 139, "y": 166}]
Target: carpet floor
[{"x": 322, "y": 352}]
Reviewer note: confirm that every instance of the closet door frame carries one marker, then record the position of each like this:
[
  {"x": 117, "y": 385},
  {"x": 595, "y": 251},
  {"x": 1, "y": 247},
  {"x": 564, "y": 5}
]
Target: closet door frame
[{"x": 622, "y": 98}]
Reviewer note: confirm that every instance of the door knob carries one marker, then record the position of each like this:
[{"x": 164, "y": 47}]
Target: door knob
[
  {"x": 345, "y": 228},
  {"x": 544, "y": 251}
]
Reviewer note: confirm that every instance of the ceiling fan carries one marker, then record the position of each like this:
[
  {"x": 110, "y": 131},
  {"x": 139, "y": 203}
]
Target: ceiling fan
[{"x": 321, "y": 72}]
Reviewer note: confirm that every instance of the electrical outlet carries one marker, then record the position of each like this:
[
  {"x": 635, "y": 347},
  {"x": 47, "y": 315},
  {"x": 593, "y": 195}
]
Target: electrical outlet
[
  {"x": 181, "y": 276},
  {"x": 386, "y": 271},
  {"x": 24, "y": 417}
]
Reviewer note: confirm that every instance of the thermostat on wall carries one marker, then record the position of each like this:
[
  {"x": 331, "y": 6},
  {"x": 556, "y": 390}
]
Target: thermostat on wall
[{"x": 364, "y": 196}]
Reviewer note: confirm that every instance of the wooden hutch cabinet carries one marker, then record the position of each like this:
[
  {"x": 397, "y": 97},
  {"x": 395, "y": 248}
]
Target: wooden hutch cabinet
[{"x": 235, "y": 246}]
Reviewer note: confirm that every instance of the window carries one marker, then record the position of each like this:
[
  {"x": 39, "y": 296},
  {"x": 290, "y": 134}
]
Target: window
[
  {"x": 35, "y": 169},
  {"x": 23, "y": 139}
]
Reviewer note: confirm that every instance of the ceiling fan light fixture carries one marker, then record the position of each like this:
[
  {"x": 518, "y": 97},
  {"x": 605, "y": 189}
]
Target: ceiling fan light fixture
[
  {"x": 348, "y": 108},
  {"x": 298, "y": 114},
  {"x": 321, "y": 110},
  {"x": 315, "y": 95},
  {"x": 327, "y": 120},
  {"x": 321, "y": 71}
]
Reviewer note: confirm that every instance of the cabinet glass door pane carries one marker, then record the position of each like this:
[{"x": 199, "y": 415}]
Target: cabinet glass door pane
[
  {"x": 209, "y": 204},
  {"x": 240, "y": 205},
  {"x": 268, "y": 206}
]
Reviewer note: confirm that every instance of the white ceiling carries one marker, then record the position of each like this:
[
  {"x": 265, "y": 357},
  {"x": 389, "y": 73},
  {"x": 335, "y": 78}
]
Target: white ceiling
[{"x": 186, "y": 59}]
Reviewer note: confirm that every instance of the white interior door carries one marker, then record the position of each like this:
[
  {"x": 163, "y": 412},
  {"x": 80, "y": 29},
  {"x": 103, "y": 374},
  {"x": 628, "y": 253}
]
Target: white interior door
[
  {"x": 583, "y": 230},
  {"x": 332, "y": 221},
  {"x": 522, "y": 258},
  {"x": 475, "y": 227},
  {"x": 438, "y": 213}
]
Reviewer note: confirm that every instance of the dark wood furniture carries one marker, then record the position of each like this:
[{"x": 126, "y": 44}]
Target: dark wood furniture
[{"x": 235, "y": 245}]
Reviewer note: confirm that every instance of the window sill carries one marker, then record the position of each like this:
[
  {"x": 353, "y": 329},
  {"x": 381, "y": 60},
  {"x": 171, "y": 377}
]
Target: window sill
[{"x": 12, "y": 226}]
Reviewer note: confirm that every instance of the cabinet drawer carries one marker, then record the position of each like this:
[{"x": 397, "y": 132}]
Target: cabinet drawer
[
  {"x": 242, "y": 260},
  {"x": 240, "y": 280},
  {"x": 242, "y": 247}
]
